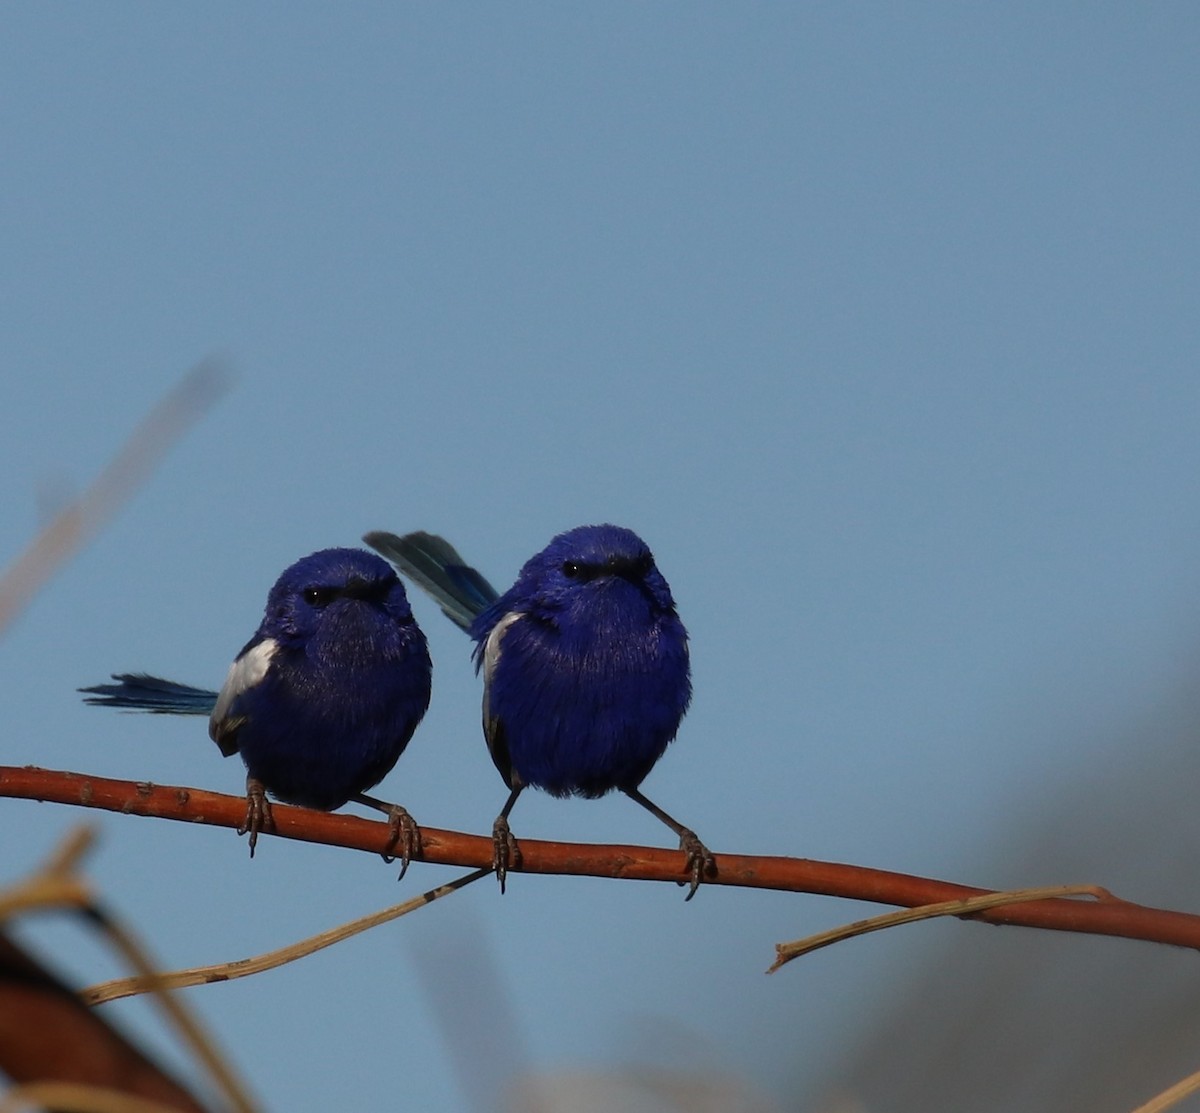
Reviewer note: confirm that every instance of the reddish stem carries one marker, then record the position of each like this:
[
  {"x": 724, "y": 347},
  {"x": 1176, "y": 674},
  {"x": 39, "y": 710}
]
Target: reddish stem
[{"x": 1108, "y": 916}]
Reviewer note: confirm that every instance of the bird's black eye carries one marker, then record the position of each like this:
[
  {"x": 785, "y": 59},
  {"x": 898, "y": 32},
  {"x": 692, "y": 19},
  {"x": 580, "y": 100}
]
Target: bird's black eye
[
  {"x": 570, "y": 569},
  {"x": 319, "y": 596}
]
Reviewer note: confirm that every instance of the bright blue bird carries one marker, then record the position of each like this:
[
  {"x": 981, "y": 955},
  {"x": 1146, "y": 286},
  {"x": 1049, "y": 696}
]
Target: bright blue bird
[
  {"x": 323, "y": 699},
  {"x": 585, "y": 667}
]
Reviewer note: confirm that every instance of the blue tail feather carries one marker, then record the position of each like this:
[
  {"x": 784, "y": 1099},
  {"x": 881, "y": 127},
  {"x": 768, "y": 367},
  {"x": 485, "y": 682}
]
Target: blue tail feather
[
  {"x": 139, "y": 691},
  {"x": 434, "y": 565}
]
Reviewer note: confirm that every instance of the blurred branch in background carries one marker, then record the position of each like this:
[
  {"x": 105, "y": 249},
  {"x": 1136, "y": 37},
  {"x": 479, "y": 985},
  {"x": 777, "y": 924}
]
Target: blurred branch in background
[
  {"x": 74, "y": 526},
  {"x": 470, "y": 1003},
  {"x": 1006, "y": 1020},
  {"x": 639, "y": 1090},
  {"x": 62, "y": 1055},
  {"x": 1172, "y": 1096},
  {"x": 49, "y": 1038},
  {"x": 59, "y": 1053},
  {"x": 1107, "y": 915}
]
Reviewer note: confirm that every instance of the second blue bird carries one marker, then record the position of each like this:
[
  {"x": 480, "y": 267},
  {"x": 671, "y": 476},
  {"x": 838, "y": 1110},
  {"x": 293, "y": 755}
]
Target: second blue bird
[
  {"x": 323, "y": 699},
  {"x": 585, "y": 667}
]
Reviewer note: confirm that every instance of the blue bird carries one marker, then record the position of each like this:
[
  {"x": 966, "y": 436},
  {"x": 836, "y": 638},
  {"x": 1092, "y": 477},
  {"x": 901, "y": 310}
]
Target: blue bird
[
  {"x": 323, "y": 699},
  {"x": 585, "y": 667}
]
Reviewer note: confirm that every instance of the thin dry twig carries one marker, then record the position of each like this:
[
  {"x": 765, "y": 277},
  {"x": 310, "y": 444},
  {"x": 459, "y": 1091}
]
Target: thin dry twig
[
  {"x": 1172, "y": 1096},
  {"x": 191, "y": 397},
  {"x": 244, "y": 967},
  {"x": 785, "y": 952}
]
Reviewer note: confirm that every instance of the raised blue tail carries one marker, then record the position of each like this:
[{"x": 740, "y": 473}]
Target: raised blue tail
[
  {"x": 434, "y": 565},
  {"x": 139, "y": 691}
]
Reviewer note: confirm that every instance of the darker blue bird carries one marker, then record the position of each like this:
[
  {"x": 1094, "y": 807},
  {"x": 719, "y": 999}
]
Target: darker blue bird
[
  {"x": 322, "y": 700},
  {"x": 584, "y": 661}
]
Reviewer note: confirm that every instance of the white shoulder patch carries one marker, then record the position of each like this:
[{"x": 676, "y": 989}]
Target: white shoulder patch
[
  {"x": 244, "y": 673},
  {"x": 491, "y": 654},
  {"x": 491, "y": 648}
]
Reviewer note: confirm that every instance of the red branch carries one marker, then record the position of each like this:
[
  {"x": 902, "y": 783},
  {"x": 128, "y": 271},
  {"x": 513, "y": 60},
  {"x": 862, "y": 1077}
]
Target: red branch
[{"x": 1107, "y": 916}]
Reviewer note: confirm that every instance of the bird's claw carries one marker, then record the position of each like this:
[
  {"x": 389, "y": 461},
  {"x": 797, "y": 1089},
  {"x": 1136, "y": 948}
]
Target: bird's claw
[
  {"x": 700, "y": 862},
  {"x": 506, "y": 851},
  {"x": 258, "y": 813},
  {"x": 404, "y": 833}
]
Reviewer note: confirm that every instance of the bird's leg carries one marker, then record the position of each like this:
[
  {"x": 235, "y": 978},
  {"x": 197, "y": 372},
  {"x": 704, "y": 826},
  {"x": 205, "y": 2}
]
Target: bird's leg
[
  {"x": 506, "y": 851},
  {"x": 700, "y": 862},
  {"x": 403, "y": 829},
  {"x": 258, "y": 812}
]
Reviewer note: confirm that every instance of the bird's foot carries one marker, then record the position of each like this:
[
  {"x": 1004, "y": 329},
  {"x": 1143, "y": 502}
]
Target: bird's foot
[
  {"x": 700, "y": 862},
  {"x": 258, "y": 812},
  {"x": 506, "y": 851},
  {"x": 405, "y": 834}
]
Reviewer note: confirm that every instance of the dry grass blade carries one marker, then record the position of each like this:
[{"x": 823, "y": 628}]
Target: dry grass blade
[
  {"x": 56, "y": 884},
  {"x": 785, "y": 952},
  {"x": 42, "y": 893},
  {"x": 71, "y": 1097},
  {"x": 241, "y": 968},
  {"x": 1173, "y": 1096},
  {"x": 73, "y": 526}
]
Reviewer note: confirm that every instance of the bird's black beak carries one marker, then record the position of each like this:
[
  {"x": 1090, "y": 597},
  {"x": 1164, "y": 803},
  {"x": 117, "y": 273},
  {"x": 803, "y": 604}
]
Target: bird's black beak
[{"x": 366, "y": 590}]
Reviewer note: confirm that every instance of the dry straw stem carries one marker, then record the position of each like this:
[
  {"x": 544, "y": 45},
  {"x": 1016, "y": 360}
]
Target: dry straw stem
[
  {"x": 56, "y": 884},
  {"x": 71, "y": 1097},
  {"x": 785, "y": 952},
  {"x": 1168, "y": 1099},
  {"x": 75, "y": 525},
  {"x": 244, "y": 967},
  {"x": 1105, "y": 916}
]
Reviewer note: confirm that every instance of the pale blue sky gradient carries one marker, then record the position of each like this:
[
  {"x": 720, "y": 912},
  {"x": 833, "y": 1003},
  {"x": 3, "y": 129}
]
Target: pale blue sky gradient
[{"x": 878, "y": 323}]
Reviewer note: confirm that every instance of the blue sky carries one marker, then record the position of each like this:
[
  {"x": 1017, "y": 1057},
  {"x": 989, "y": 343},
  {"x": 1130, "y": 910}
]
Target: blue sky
[{"x": 878, "y": 323}]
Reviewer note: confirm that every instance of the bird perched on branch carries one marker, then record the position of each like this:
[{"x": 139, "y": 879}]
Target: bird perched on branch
[
  {"x": 584, "y": 662},
  {"x": 322, "y": 700}
]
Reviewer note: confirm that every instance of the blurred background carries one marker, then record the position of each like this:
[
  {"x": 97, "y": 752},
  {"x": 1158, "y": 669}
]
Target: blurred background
[{"x": 878, "y": 323}]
